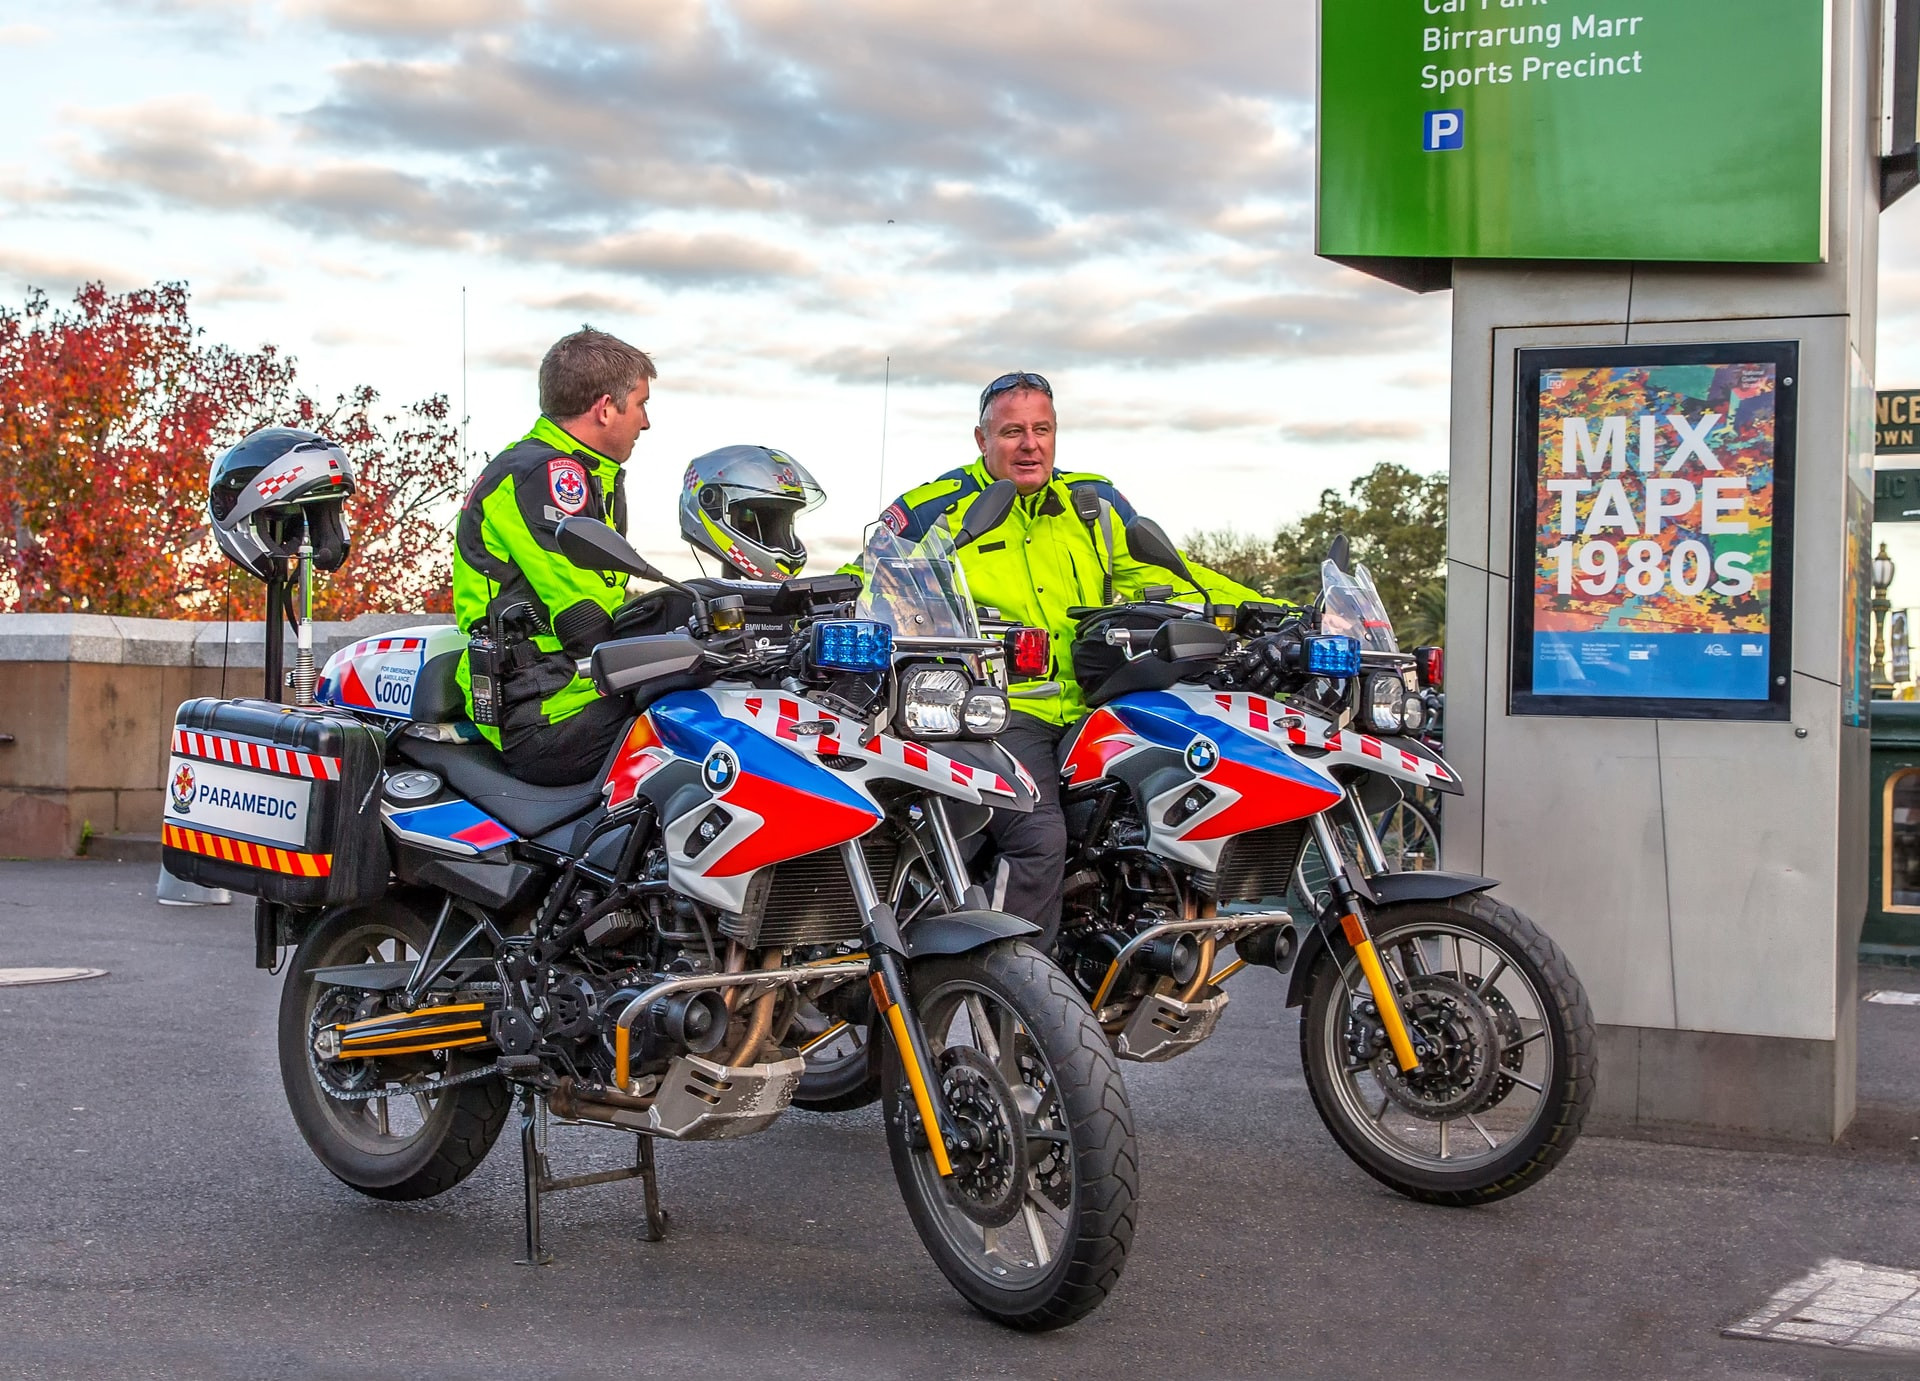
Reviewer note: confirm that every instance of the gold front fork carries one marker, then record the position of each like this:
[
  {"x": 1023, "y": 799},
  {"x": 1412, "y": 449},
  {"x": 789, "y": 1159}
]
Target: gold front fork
[{"x": 1354, "y": 926}]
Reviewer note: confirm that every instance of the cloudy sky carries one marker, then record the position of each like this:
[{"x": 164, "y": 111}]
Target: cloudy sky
[{"x": 789, "y": 204}]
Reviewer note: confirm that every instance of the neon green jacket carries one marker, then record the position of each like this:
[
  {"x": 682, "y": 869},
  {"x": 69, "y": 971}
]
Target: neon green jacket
[
  {"x": 1045, "y": 560},
  {"x": 505, "y": 553}
]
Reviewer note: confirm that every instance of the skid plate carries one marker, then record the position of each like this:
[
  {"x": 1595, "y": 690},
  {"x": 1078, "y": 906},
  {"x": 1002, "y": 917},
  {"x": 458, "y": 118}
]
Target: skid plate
[
  {"x": 1162, "y": 1027},
  {"x": 700, "y": 1100}
]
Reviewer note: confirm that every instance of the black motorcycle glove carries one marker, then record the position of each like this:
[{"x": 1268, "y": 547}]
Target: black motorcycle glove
[{"x": 1270, "y": 662}]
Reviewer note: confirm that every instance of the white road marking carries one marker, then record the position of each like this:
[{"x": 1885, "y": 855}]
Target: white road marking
[
  {"x": 1893, "y": 997},
  {"x": 1844, "y": 1304},
  {"x": 18, "y": 978}
]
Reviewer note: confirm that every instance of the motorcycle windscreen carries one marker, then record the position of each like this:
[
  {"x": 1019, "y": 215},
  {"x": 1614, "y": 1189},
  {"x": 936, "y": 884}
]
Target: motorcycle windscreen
[
  {"x": 1350, "y": 605},
  {"x": 916, "y": 588}
]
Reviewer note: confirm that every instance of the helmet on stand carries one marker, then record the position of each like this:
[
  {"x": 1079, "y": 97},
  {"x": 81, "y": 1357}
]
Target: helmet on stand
[
  {"x": 278, "y": 486},
  {"x": 739, "y": 503}
]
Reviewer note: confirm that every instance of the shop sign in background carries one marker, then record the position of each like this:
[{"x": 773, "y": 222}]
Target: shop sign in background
[
  {"x": 1653, "y": 511},
  {"x": 1663, "y": 129}
]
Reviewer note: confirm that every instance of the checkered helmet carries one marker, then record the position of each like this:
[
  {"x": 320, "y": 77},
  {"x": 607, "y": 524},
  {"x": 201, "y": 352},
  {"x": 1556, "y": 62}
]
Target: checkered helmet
[
  {"x": 739, "y": 503},
  {"x": 277, "y": 486}
]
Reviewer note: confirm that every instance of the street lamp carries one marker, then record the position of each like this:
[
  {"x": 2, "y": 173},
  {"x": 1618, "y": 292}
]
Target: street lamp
[{"x": 1882, "y": 578}]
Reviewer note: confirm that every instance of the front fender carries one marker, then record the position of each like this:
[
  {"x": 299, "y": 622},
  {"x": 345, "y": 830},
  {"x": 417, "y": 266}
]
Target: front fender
[
  {"x": 960, "y": 932},
  {"x": 1389, "y": 889}
]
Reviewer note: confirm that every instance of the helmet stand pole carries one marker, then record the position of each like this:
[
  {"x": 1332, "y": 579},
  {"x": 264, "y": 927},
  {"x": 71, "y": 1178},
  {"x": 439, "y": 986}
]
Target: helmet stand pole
[{"x": 275, "y": 631}]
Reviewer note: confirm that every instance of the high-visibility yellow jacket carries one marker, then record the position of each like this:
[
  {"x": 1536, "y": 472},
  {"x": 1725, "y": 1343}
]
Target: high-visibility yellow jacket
[
  {"x": 505, "y": 553},
  {"x": 1045, "y": 560}
]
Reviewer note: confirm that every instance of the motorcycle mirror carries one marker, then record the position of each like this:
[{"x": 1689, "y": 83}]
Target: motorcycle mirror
[
  {"x": 1148, "y": 541},
  {"x": 987, "y": 513},
  {"x": 593, "y": 546},
  {"x": 1341, "y": 554}
]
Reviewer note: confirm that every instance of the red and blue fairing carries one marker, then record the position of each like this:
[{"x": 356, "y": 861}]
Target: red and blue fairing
[
  {"x": 1251, "y": 784},
  {"x": 775, "y": 803}
]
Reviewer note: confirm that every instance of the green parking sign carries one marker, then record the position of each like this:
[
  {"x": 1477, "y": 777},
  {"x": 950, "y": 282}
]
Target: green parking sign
[{"x": 1679, "y": 130}]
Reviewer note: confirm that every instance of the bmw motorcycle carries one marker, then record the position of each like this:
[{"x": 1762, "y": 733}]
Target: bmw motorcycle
[
  {"x": 657, "y": 951},
  {"x": 1447, "y": 1044}
]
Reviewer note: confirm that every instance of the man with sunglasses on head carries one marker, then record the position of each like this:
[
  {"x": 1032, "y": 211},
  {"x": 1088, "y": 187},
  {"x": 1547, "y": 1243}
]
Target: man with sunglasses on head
[{"x": 1063, "y": 546}]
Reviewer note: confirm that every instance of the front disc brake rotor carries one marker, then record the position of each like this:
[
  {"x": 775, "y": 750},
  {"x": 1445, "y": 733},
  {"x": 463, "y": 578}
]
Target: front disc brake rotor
[
  {"x": 990, "y": 1171},
  {"x": 1048, "y": 1154},
  {"x": 1462, "y": 1042}
]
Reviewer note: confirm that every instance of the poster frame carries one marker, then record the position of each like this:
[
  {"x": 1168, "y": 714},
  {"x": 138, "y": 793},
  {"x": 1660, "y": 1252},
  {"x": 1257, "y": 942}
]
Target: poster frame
[{"x": 1528, "y": 365}]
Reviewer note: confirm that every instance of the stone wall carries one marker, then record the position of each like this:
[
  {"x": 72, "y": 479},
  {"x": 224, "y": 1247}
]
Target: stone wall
[{"x": 86, "y": 714}]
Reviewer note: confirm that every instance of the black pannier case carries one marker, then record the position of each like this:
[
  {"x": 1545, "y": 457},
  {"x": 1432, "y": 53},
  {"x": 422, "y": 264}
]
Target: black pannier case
[{"x": 275, "y": 802}]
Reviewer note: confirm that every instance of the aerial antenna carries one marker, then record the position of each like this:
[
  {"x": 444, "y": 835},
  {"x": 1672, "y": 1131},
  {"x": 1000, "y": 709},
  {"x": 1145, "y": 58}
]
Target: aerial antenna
[
  {"x": 463, "y": 374},
  {"x": 886, "y": 386}
]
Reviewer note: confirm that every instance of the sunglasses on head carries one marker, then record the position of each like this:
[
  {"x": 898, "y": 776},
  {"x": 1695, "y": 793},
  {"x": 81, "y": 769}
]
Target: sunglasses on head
[{"x": 1007, "y": 382}]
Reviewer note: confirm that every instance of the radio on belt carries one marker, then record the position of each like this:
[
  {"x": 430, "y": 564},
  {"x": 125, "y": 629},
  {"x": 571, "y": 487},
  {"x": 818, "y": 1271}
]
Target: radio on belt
[{"x": 277, "y": 802}]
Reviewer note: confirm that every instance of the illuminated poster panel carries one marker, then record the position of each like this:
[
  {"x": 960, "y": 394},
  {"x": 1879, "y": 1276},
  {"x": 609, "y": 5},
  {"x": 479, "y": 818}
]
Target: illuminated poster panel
[{"x": 1653, "y": 533}]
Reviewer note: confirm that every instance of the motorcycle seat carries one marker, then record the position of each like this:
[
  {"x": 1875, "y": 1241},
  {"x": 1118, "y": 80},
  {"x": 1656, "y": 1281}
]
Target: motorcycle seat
[{"x": 478, "y": 772}]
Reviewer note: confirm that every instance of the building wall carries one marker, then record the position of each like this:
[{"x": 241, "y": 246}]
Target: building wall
[{"x": 89, "y": 703}]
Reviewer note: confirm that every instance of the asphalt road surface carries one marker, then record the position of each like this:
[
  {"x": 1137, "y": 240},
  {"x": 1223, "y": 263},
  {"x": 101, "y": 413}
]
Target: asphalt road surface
[{"x": 160, "y": 1216}]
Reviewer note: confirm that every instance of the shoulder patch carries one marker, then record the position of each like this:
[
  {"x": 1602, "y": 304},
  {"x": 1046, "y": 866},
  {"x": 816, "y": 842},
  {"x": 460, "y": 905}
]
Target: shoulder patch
[
  {"x": 567, "y": 479},
  {"x": 895, "y": 518}
]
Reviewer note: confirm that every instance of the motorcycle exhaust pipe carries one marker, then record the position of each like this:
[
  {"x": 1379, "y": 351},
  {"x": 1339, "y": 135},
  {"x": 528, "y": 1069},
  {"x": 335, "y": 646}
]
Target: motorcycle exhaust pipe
[{"x": 405, "y": 1033}]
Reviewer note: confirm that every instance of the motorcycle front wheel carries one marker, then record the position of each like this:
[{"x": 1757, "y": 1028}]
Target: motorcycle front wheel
[
  {"x": 1509, "y": 1076},
  {"x": 1034, "y": 1224},
  {"x": 364, "y": 1119}
]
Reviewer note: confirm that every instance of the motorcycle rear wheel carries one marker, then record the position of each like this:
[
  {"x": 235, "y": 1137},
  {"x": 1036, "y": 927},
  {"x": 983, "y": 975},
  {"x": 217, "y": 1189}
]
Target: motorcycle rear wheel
[
  {"x": 1517, "y": 1076},
  {"x": 405, "y": 1146},
  {"x": 1007, "y": 1031}
]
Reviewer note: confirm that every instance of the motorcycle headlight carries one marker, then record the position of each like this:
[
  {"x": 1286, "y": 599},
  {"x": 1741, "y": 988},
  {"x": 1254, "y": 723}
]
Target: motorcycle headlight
[
  {"x": 986, "y": 712},
  {"x": 1413, "y": 715},
  {"x": 933, "y": 701},
  {"x": 1386, "y": 702}
]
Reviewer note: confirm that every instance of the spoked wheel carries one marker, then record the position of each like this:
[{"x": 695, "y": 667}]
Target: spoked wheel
[
  {"x": 1409, "y": 838},
  {"x": 396, "y": 1143},
  {"x": 1508, "y": 1072},
  {"x": 1034, "y": 1224}
]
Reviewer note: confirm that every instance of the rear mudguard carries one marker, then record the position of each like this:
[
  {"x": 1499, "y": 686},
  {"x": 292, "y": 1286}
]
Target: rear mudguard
[
  {"x": 1389, "y": 889},
  {"x": 960, "y": 932}
]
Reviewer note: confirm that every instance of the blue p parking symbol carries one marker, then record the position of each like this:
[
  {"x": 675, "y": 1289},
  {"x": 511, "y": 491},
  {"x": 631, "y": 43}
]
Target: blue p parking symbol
[{"x": 1443, "y": 130}]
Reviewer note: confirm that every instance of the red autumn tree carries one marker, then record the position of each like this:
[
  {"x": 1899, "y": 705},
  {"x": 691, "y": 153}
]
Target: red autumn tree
[{"x": 111, "y": 413}]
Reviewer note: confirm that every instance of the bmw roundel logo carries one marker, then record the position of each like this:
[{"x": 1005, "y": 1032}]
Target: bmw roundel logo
[
  {"x": 720, "y": 770},
  {"x": 1202, "y": 756}
]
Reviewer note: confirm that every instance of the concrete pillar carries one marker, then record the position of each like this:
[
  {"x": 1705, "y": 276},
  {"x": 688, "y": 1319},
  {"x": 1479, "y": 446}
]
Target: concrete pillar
[{"x": 1707, "y": 878}]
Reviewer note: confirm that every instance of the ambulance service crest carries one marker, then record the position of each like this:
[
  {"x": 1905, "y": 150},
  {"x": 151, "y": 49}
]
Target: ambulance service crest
[
  {"x": 182, "y": 787},
  {"x": 568, "y": 481}
]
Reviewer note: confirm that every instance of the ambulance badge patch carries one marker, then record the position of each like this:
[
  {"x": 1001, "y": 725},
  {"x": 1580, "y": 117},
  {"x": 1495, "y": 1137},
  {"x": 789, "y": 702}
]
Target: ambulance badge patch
[{"x": 568, "y": 481}]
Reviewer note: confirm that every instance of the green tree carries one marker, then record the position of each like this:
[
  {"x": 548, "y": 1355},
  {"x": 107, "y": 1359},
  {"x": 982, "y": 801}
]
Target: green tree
[{"x": 1395, "y": 520}]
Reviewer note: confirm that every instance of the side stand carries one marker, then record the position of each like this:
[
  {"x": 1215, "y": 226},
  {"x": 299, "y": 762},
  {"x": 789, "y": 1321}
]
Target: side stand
[{"x": 539, "y": 1181}]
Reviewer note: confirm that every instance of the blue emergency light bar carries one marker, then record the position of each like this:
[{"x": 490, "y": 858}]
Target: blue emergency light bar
[
  {"x": 855, "y": 645},
  {"x": 1333, "y": 655}
]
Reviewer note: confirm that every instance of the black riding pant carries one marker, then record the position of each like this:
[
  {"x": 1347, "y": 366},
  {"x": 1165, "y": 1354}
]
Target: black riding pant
[
  {"x": 1033, "y": 848},
  {"x": 571, "y": 751}
]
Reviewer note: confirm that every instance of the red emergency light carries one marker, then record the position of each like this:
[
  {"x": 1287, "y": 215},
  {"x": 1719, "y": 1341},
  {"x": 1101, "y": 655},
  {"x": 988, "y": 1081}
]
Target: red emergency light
[
  {"x": 1432, "y": 664},
  {"x": 1030, "y": 650}
]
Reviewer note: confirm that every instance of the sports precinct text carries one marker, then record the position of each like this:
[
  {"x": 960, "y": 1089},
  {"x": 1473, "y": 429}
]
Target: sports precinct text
[{"x": 1532, "y": 67}]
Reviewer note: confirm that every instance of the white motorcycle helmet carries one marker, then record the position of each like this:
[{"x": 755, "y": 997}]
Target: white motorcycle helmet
[
  {"x": 739, "y": 504},
  {"x": 276, "y": 486}
]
